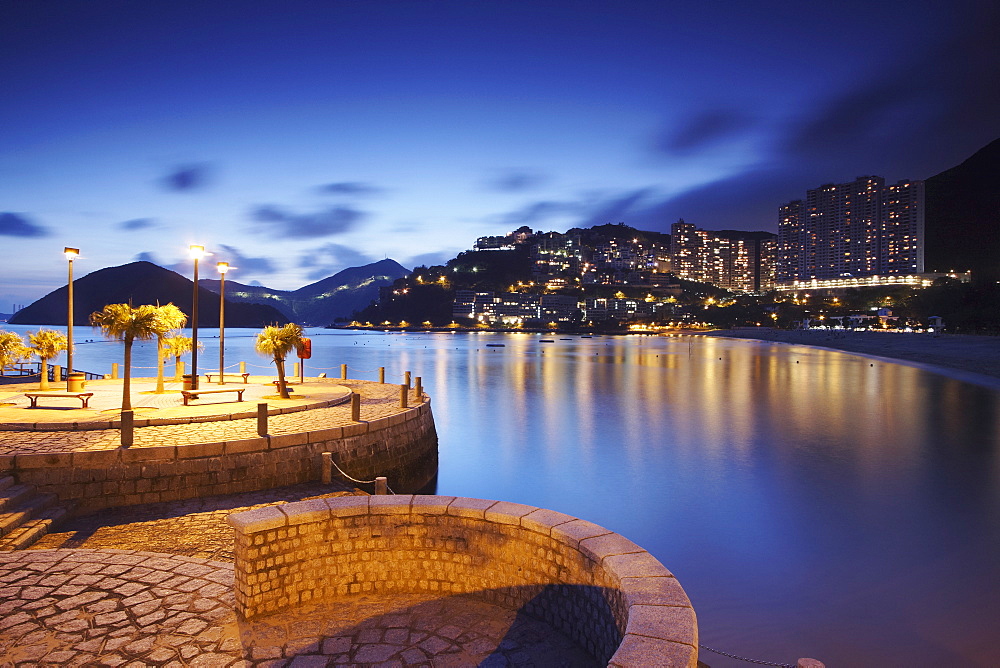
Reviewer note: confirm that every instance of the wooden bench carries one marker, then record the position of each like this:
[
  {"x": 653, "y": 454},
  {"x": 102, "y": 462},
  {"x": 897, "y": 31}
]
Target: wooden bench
[
  {"x": 82, "y": 396},
  {"x": 245, "y": 376},
  {"x": 193, "y": 394}
]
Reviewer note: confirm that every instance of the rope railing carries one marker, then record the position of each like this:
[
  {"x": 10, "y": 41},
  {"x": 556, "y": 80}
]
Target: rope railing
[
  {"x": 759, "y": 662},
  {"x": 355, "y": 480}
]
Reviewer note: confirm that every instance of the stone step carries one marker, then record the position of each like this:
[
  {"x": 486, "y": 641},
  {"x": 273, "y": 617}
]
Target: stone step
[
  {"x": 5, "y": 482},
  {"x": 26, "y": 509},
  {"x": 31, "y": 531},
  {"x": 13, "y": 495}
]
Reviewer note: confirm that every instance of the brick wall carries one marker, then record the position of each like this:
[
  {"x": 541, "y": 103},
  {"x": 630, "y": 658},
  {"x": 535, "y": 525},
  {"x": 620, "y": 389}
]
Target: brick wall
[
  {"x": 608, "y": 594},
  {"x": 402, "y": 447}
]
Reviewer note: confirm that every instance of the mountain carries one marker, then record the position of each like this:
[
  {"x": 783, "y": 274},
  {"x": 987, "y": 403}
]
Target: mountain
[
  {"x": 141, "y": 283},
  {"x": 324, "y": 301},
  {"x": 962, "y": 224}
]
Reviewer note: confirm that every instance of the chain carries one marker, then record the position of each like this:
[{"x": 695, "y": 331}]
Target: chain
[
  {"x": 363, "y": 482},
  {"x": 743, "y": 658}
]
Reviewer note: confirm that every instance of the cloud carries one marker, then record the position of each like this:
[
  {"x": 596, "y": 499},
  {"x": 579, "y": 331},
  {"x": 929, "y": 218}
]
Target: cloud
[
  {"x": 431, "y": 259},
  {"x": 536, "y": 212},
  {"x": 186, "y": 178},
  {"x": 702, "y": 130},
  {"x": 243, "y": 264},
  {"x": 280, "y": 223},
  {"x": 137, "y": 224},
  {"x": 16, "y": 225},
  {"x": 586, "y": 210},
  {"x": 515, "y": 180},
  {"x": 331, "y": 258},
  {"x": 349, "y": 188},
  {"x": 147, "y": 256}
]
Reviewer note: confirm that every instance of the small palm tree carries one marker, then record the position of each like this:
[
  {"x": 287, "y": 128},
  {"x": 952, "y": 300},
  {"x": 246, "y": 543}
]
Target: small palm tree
[
  {"x": 12, "y": 350},
  {"x": 277, "y": 342},
  {"x": 127, "y": 323},
  {"x": 170, "y": 318},
  {"x": 177, "y": 346},
  {"x": 46, "y": 344}
]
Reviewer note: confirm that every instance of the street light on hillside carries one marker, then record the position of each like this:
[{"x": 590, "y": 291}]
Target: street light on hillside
[
  {"x": 197, "y": 252},
  {"x": 71, "y": 254},
  {"x": 223, "y": 267}
]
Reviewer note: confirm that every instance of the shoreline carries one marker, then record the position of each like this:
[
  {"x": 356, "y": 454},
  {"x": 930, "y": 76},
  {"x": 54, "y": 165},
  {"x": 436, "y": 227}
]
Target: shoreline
[{"x": 971, "y": 356}]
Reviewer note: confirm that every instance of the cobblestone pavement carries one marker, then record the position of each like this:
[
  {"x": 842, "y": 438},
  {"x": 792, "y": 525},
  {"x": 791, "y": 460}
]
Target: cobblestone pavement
[
  {"x": 127, "y": 607},
  {"x": 377, "y": 401}
]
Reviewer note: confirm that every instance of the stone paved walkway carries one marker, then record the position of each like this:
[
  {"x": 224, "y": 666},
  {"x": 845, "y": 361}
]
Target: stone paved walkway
[{"x": 377, "y": 401}]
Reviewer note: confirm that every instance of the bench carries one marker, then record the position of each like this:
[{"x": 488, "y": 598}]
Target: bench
[
  {"x": 193, "y": 394},
  {"x": 82, "y": 396},
  {"x": 245, "y": 376}
]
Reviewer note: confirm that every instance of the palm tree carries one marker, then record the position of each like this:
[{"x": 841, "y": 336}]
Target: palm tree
[
  {"x": 178, "y": 346},
  {"x": 170, "y": 318},
  {"x": 277, "y": 342},
  {"x": 127, "y": 323},
  {"x": 12, "y": 350},
  {"x": 46, "y": 344}
]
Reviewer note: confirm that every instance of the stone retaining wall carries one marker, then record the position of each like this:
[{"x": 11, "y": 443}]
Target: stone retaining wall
[
  {"x": 608, "y": 594},
  {"x": 402, "y": 447}
]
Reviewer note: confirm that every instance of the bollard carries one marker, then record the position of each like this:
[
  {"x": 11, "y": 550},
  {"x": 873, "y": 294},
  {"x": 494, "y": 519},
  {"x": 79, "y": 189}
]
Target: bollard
[
  {"x": 381, "y": 374},
  {"x": 127, "y": 428},
  {"x": 403, "y": 391},
  {"x": 295, "y": 369},
  {"x": 114, "y": 370},
  {"x": 809, "y": 663},
  {"x": 57, "y": 374},
  {"x": 406, "y": 379},
  {"x": 243, "y": 367},
  {"x": 419, "y": 389},
  {"x": 343, "y": 372},
  {"x": 355, "y": 407},
  {"x": 179, "y": 371},
  {"x": 327, "y": 460},
  {"x": 262, "y": 419},
  {"x": 381, "y": 486}
]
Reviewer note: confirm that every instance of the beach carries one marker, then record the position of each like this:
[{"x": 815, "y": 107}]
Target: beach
[{"x": 958, "y": 352}]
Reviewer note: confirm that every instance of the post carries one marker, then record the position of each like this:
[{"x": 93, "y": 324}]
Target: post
[
  {"x": 326, "y": 461},
  {"x": 56, "y": 373},
  {"x": 243, "y": 367},
  {"x": 302, "y": 371},
  {"x": 295, "y": 368},
  {"x": 381, "y": 374},
  {"x": 178, "y": 370},
  {"x": 406, "y": 379},
  {"x": 196, "y": 253},
  {"x": 223, "y": 267},
  {"x": 262, "y": 419},
  {"x": 355, "y": 407},
  {"x": 403, "y": 391},
  {"x": 343, "y": 372},
  {"x": 809, "y": 663},
  {"x": 70, "y": 254},
  {"x": 381, "y": 486},
  {"x": 419, "y": 389},
  {"x": 127, "y": 425},
  {"x": 114, "y": 370}
]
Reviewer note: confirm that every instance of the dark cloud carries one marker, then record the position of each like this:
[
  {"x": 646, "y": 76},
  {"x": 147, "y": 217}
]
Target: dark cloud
[
  {"x": 702, "y": 130},
  {"x": 430, "y": 259},
  {"x": 330, "y": 258},
  {"x": 137, "y": 224},
  {"x": 536, "y": 212},
  {"x": 16, "y": 225},
  {"x": 354, "y": 188},
  {"x": 516, "y": 181},
  {"x": 244, "y": 265},
  {"x": 147, "y": 256},
  {"x": 187, "y": 178},
  {"x": 280, "y": 223},
  {"x": 617, "y": 209},
  {"x": 588, "y": 210}
]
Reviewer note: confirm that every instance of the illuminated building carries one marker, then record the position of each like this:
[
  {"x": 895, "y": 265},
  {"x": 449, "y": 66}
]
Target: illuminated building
[{"x": 741, "y": 261}]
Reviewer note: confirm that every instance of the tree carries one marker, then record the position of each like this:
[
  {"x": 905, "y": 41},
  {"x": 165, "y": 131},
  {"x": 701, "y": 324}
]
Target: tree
[
  {"x": 127, "y": 323},
  {"x": 46, "y": 344},
  {"x": 12, "y": 350},
  {"x": 178, "y": 346},
  {"x": 277, "y": 342},
  {"x": 170, "y": 318}
]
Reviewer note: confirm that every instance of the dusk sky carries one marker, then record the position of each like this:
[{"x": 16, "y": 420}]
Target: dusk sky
[{"x": 295, "y": 139}]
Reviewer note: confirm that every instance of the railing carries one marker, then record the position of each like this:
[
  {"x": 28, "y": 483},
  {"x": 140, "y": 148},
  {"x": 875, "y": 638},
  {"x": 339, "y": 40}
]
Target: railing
[{"x": 35, "y": 369}]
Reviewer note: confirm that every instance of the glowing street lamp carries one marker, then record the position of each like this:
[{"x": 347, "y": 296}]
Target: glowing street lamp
[
  {"x": 197, "y": 252},
  {"x": 223, "y": 267},
  {"x": 71, "y": 254}
]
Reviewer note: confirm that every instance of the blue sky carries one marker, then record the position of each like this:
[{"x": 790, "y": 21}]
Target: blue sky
[{"x": 297, "y": 138}]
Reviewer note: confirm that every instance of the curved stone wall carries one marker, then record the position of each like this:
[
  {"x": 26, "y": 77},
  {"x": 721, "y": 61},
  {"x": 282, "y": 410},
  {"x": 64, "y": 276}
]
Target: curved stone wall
[
  {"x": 607, "y": 593},
  {"x": 402, "y": 447}
]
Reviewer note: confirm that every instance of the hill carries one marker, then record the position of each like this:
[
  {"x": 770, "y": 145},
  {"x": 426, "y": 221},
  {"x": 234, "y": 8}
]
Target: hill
[{"x": 141, "y": 283}]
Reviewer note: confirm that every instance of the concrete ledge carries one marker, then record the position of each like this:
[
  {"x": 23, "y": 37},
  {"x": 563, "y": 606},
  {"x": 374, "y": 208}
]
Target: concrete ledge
[{"x": 601, "y": 589}]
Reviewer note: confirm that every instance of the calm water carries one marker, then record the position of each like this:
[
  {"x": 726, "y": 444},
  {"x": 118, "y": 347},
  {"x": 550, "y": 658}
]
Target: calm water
[{"x": 812, "y": 503}]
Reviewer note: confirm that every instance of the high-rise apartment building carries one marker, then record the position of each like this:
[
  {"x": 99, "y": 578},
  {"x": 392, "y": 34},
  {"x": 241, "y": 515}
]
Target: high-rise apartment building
[
  {"x": 741, "y": 261},
  {"x": 852, "y": 230}
]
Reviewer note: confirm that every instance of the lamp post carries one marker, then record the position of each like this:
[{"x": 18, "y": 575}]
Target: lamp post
[
  {"x": 196, "y": 252},
  {"x": 223, "y": 267},
  {"x": 71, "y": 254}
]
